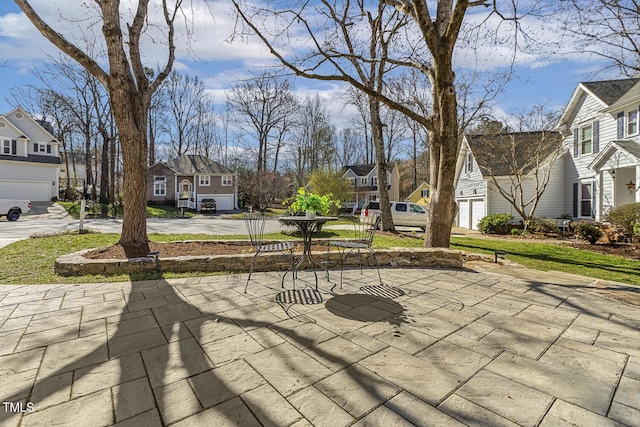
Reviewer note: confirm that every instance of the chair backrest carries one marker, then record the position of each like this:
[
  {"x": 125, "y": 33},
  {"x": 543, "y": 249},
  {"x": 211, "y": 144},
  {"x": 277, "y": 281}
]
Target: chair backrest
[
  {"x": 366, "y": 230},
  {"x": 255, "y": 227}
]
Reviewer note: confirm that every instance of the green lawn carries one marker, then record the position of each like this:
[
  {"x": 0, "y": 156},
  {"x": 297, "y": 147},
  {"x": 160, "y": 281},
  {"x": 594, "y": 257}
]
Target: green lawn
[
  {"x": 31, "y": 261},
  {"x": 546, "y": 257}
]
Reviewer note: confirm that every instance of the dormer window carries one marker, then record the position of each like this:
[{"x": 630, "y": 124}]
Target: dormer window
[{"x": 363, "y": 181}]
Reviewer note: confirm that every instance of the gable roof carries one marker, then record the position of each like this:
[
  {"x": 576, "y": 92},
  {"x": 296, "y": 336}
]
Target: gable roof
[
  {"x": 494, "y": 153},
  {"x": 364, "y": 169},
  {"x": 630, "y": 147},
  {"x": 47, "y": 129},
  {"x": 607, "y": 92},
  {"x": 610, "y": 91},
  {"x": 195, "y": 164}
]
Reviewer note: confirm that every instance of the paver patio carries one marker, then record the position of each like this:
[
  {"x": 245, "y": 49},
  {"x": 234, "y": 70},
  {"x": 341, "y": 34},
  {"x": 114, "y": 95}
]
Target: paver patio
[{"x": 430, "y": 347}]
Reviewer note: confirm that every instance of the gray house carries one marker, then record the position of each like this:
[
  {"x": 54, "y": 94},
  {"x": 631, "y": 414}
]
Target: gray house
[
  {"x": 186, "y": 180},
  {"x": 29, "y": 158}
]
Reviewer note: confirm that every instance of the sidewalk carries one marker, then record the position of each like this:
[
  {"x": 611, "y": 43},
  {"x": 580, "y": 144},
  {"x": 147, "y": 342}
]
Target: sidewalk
[{"x": 429, "y": 347}]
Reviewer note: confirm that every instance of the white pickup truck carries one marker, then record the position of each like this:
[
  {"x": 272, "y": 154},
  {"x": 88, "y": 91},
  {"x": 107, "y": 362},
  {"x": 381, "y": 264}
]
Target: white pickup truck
[{"x": 12, "y": 209}]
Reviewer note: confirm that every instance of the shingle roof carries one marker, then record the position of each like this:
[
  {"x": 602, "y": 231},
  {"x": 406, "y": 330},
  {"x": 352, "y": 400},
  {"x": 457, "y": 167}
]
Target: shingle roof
[
  {"x": 365, "y": 169},
  {"x": 33, "y": 158},
  {"x": 496, "y": 153},
  {"x": 630, "y": 147},
  {"x": 609, "y": 91},
  {"x": 192, "y": 164}
]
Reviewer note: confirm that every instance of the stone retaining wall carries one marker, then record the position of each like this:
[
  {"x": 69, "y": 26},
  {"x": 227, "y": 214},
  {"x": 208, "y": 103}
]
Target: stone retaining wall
[{"x": 76, "y": 264}]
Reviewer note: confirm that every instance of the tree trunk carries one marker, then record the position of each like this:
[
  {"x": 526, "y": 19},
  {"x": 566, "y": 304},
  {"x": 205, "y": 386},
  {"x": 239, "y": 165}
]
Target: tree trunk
[
  {"x": 443, "y": 136},
  {"x": 104, "y": 173},
  {"x": 378, "y": 140}
]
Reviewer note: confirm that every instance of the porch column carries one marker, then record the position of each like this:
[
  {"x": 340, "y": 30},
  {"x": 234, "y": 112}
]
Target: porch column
[
  {"x": 637, "y": 193},
  {"x": 599, "y": 198}
]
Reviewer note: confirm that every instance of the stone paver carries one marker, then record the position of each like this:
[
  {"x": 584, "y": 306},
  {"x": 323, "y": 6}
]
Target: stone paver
[{"x": 458, "y": 348}]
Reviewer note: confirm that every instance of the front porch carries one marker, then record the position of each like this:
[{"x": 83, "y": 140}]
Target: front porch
[{"x": 617, "y": 171}]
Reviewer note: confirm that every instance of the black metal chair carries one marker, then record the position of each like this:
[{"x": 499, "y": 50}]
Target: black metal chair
[
  {"x": 363, "y": 234},
  {"x": 255, "y": 227}
]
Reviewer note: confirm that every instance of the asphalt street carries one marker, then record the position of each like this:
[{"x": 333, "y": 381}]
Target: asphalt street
[{"x": 28, "y": 225}]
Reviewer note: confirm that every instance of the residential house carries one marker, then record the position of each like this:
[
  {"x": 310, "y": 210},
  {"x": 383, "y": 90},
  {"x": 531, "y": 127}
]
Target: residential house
[
  {"x": 602, "y": 170},
  {"x": 599, "y": 169},
  {"x": 421, "y": 195},
  {"x": 484, "y": 157},
  {"x": 186, "y": 180},
  {"x": 29, "y": 158},
  {"x": 364, "y": 182}
]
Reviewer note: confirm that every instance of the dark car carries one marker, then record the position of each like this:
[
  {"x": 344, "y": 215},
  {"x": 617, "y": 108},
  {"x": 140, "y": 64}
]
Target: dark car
[{"x": 208, "y": 205}]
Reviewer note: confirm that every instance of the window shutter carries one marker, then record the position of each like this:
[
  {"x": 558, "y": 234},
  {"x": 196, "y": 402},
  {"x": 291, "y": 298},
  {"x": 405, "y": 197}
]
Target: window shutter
[
  {"x": 575, "y": 199},
  {"x": 620, "y": 119},
  {"x": 575, "y": 142},
  {"x": 49, "y": 148},
  {"x": 35, "y": 147},
  {"x": 593, "y": 199},
  {"x": 596, "y": 136},
  {"x": 14, "y": 147}
]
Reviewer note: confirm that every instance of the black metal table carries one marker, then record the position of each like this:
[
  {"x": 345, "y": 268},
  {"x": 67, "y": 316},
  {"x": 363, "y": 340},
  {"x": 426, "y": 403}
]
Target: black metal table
[{"x": 307, "y": 226}]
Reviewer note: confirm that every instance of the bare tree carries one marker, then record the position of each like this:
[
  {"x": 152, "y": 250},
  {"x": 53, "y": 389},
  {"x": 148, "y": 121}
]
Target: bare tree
[
  {"x": 130, "y": 93},
  {"x": 431, "y": 54},
  {"x": 313, "y": 144},
  {"x": 607, "y": 28},
  {"x": 188, "y": 106},
  {"x": 263, "y": 106}
]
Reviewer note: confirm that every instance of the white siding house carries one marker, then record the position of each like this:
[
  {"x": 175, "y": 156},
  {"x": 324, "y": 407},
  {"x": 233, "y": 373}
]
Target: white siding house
[
  {"x": 601, "y": 124},
  {"x": 484, "y": 157},
  {"x": 29, "y": 158},
  {"x": 599, "y": 168}
]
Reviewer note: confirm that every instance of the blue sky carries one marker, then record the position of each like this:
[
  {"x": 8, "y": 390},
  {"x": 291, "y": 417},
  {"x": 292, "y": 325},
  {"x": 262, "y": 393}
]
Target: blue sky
[{"x": 218, "y": 61}]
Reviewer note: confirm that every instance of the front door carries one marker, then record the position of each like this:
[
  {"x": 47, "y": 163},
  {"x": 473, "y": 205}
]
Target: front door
[{"x": 185, "y": 189}]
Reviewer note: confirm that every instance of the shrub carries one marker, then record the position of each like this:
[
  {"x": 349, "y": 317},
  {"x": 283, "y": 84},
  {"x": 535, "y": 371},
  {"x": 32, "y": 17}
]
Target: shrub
[
  {"x": 543, "y": 225},
  {"x": 588, "y": 231},
  {"x": 496, "y": 224},
  {"x": 516, "y": 232},
  {"x": 625, "y": 216}
]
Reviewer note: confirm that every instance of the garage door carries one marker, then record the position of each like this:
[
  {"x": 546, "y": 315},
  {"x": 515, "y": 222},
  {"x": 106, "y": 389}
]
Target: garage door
[
  {"x": 224, "y": 202},
  {"x": 477, "y": 212},
  {"x": 463, "y": 213},
  {"x": 35, "y": 191}
]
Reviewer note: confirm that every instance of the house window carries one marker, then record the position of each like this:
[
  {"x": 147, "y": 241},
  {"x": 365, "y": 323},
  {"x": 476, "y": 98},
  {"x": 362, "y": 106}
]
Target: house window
[
  {"x": 468, "y": 163},
  {"x": 586, "y": 139},
  {"x": 374, "y": 180},
  {"x": 159, "y": 185},
  {"x": 632, "y": 122},
  {"x": 585, "y": 199},
  {"x": 424, "y": 193},
  {"x": 227, "y": 180},
  {"x": 41, "y": 148},
  {"x": 205, "y": 180},
  {"x": 363, "y": 181},
  {"x": 8, "y": 147},
  {"x": 352, "y": 182}
]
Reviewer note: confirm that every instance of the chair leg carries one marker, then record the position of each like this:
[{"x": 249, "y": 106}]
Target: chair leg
[{"x": 253, "y": 260}]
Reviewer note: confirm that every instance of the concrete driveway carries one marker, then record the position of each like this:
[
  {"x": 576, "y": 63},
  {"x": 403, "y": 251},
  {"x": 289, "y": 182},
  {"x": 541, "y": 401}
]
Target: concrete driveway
[{"x": 428, "y": 347}]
